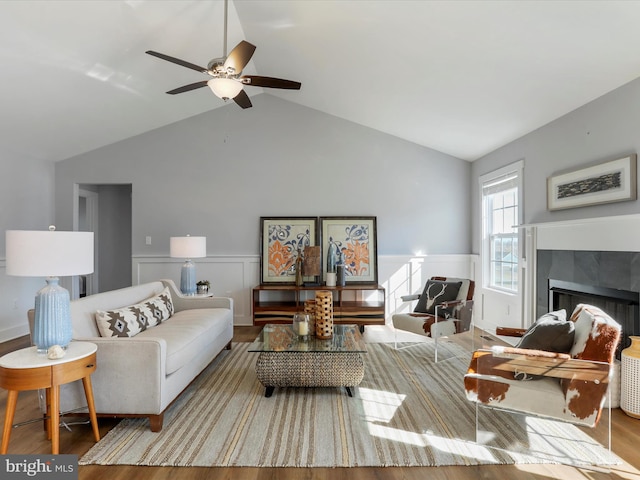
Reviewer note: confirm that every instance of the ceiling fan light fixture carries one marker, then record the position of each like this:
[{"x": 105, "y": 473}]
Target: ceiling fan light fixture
[{"x": 224, "y": 87}]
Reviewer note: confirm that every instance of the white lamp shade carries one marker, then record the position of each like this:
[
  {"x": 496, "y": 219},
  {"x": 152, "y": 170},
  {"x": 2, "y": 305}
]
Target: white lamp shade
[
  {"x": 188, "y": 247},
  {"x": 225, "y": 87},
  {"x": 34, "y": 253}
]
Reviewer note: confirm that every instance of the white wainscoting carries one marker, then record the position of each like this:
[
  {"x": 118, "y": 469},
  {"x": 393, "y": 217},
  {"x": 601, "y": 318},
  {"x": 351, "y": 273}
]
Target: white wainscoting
[
  {"x": 230, "y": 276},
  {"x": 235, "y": 276}
]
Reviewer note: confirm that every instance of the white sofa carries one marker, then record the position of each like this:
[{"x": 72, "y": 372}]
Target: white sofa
[{"x": 143, "y": 374}]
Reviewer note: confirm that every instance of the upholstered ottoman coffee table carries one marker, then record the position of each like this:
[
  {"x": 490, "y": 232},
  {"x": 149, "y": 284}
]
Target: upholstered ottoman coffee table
[{"x": 286, "y": 360}]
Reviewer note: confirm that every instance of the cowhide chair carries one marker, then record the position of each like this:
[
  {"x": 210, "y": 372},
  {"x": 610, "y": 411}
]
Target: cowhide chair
[
  {"x": 444, "y": 308},
  {"x": 570, "y": 386}
]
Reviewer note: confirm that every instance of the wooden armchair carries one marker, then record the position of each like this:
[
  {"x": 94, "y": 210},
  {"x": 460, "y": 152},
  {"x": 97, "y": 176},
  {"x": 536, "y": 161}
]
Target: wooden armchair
[{"x": 571, "y": 387}]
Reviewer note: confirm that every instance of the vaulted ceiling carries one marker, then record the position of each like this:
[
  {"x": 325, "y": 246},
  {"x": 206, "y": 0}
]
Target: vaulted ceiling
[{"x": 461, "y": 77}]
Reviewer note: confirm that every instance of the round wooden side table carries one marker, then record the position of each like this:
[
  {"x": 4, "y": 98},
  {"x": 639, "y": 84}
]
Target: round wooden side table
[{"x": 26, "y": 370}]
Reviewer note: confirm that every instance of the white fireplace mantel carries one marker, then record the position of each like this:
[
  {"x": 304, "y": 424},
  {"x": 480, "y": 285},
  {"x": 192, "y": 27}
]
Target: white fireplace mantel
[{"x": 613, "y": 234}]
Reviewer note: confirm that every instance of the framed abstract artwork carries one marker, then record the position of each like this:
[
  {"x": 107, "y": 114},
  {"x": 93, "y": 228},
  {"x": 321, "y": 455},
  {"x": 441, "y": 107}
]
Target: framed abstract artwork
[
  {"x": 281, "y": 240},
  {"x": 612, "y": 181},
  {"x": 355, "y": 242}
]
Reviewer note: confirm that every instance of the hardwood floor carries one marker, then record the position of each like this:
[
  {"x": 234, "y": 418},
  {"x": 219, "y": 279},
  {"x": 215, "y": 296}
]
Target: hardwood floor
[{"x": 31, "y": 439}]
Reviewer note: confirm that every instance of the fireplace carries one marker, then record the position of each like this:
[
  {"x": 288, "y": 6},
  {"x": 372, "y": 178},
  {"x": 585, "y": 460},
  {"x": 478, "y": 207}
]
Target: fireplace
[
  {"x": 591, "y": 253},
  {"x": 621, "y": 305},
  {"x": 609, "y": 280}
]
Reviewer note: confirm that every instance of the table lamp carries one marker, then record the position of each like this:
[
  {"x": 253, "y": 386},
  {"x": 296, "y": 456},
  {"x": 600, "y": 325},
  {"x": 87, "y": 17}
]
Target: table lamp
[
  {"x": 188, "y": 247},
  {"x": 50, "y": 254}
]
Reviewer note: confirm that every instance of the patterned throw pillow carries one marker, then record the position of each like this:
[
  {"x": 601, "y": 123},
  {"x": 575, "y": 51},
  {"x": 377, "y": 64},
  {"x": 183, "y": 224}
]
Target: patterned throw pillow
[
  {"x": 129, "y": 321},
  {"x": 435, "y": 292}
]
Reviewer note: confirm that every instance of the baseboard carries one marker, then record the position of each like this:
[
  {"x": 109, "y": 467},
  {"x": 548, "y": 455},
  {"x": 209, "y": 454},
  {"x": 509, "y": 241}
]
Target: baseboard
[{"x": 11, "y": 333}]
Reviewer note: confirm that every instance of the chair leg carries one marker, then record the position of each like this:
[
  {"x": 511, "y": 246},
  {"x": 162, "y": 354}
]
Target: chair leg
[{"x": 395, "y": 341}]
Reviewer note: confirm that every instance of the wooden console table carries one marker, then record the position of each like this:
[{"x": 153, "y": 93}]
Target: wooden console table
[{"x": 360, "y": 304}]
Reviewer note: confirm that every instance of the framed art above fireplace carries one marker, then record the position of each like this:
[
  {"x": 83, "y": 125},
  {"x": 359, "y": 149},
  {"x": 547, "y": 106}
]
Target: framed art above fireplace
[{"x": 612, "y": 181}]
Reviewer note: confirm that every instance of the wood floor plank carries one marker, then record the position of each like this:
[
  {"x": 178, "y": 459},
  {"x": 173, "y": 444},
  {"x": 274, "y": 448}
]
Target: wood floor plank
[{"x": 31, "y": 439}]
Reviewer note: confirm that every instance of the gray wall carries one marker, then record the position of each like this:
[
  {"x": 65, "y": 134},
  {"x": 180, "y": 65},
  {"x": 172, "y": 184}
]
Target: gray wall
[
  {"x": 605, "y": 129},
  {"x": 26, "y": 194},
  {"x": 215, "y": 174},
  {"x": 26, "y": 203}
]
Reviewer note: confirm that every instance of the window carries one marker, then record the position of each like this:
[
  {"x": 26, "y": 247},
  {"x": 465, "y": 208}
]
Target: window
[{"x": 500, "y": 217}]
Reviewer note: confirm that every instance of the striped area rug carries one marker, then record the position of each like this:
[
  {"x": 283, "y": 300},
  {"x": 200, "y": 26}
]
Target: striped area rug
[{"x": 407, "y": 411}]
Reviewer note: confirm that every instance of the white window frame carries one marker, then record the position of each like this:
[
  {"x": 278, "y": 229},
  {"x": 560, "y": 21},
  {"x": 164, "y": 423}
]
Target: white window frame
[{"x": 485, "y": 181}]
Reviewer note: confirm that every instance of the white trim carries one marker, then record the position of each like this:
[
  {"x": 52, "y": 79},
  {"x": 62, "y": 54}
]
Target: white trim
[
  {"x": 495, "y": 308},
  {"x": 92, "y": 200},
  {"x": 518, "y": 167},
  {"x": 617, "y": 234},
  {"x": 580, "y": 221}
]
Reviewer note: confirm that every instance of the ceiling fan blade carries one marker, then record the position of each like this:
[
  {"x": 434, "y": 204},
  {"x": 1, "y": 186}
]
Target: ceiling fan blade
[
  {"x": 258, "y": 81},
  {"x": 242, "y": 99},
  {"x": 188, "y": 88},
  {"x": 240, "y": 56},
  {"x": 192, "y": 66}
]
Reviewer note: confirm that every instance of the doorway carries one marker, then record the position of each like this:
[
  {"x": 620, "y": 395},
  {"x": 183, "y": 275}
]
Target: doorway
[
  {"x": 88, "y": 214},
  {"x": 106, "y": 210}
]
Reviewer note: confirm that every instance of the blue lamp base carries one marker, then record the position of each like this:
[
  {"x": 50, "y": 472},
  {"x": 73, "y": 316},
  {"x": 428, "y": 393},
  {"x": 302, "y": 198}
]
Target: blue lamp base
[
  {"x": 188, "y": 278},
  {"x": 52, "y": 322}
]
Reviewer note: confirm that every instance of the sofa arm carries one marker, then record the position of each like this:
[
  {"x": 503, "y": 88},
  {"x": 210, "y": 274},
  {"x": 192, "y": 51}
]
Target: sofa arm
[
  {"x": 510, "y": 331},
  {"x": 129, "y": 374},
  {"x": 410, "y": 298},
  {"x": 504, "y": 361},
  {"x": 549, "y": 364},
  {"x": 188, "y": 302}
]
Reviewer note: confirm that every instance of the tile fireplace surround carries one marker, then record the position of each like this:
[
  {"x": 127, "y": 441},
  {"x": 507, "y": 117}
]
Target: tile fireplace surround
[
  {"x": 610, "y": 280},
  {"x": 600, "y": 254}
]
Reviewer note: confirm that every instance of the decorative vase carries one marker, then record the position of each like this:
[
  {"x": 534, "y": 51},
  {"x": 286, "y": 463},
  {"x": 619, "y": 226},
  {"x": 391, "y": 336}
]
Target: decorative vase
[
  {"x": 324, "y": 314},
  {"x": 630, "y": 395},
  {"x": 340, "y": 276},
  {"x": 331, "y": 258}
]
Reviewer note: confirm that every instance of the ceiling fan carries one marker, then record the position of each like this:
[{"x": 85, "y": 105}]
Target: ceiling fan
[{"x": 226, "y": 81}]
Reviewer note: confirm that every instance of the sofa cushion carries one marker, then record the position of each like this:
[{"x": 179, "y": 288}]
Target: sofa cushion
[
  {"x": 188, "y": 333},
  {"x": 131, "y": 320},
  {"x": 435, "y": 292}
]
